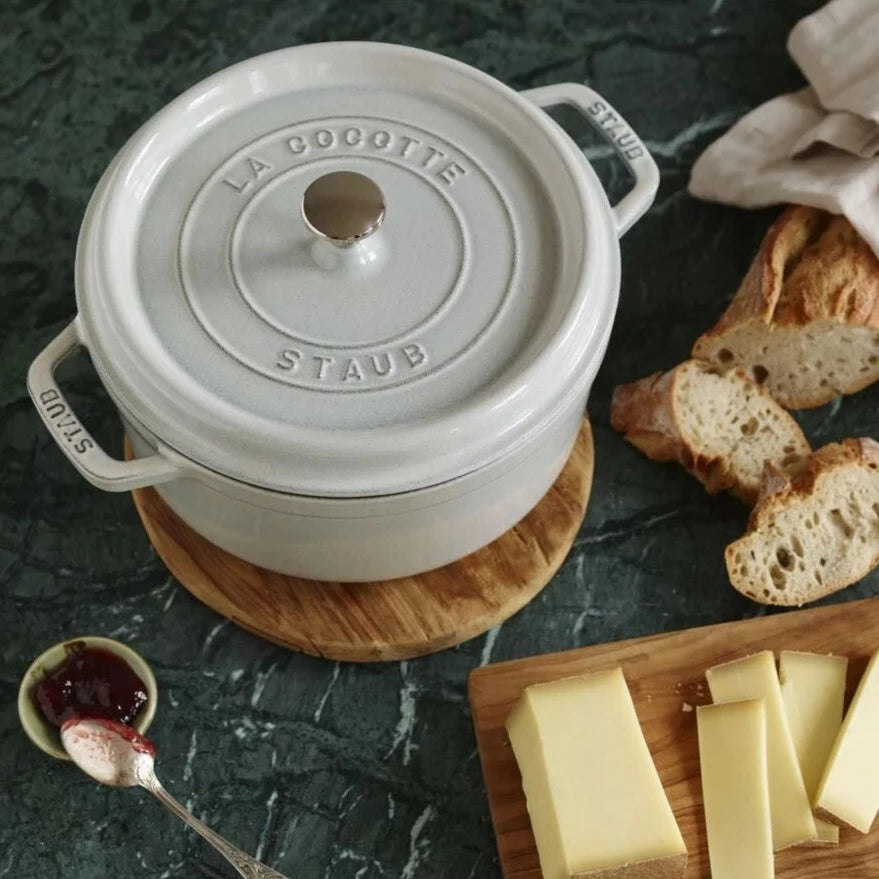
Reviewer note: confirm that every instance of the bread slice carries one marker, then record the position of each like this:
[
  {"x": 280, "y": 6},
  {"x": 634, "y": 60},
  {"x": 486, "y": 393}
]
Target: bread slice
[
  {"x": 714, "y": 421},
  {"x": 813, "y": 534},
  {"x": 805, "y": 320}
]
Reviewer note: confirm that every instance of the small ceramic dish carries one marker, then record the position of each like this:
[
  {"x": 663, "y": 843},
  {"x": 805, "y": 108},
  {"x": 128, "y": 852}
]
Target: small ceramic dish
[{"x": 47, "y": 737}]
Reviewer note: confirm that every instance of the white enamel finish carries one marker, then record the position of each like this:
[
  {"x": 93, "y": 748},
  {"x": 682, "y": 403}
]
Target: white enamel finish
[
  {"x": 421, "y": 465},
  {"x": 80, "y": 447},
  {"x": 624, "y": 142},
  {"x": 376, "y": 538},
  {"x": 495, "y": 290}
]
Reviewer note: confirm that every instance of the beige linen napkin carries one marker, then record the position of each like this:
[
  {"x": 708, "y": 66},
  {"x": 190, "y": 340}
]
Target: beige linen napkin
[{"x": 818, "y": 146}]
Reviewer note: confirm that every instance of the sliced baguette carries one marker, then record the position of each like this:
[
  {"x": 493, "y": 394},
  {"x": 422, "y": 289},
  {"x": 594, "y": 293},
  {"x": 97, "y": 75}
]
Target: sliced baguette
[
  {"x": 813, "y": 534},
  {"x": 713, "y": 421},
  {"x": 805, "y": 320}
]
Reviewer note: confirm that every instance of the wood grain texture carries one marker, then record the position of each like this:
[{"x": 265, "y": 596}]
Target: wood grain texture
[
  {"x": 666, "y": 673},
  {"x": 392, "y": 619}
]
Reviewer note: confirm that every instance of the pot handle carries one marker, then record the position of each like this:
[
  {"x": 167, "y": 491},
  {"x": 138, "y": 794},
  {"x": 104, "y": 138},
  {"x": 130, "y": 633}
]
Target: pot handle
[
  {"x": 613, "y": 128},
  {"x": 75, "y": 441}
]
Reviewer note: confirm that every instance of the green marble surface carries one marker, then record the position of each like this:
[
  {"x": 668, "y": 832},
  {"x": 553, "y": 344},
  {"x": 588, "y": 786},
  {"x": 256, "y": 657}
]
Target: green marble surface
[{"x": 325, "y": 770}]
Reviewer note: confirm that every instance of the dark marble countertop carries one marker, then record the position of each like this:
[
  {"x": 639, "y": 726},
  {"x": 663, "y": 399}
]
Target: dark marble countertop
[{"x": 328, "y": 770}]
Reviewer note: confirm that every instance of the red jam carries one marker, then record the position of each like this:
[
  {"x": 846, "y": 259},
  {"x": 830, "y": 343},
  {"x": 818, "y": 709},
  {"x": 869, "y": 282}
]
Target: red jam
[
  {"x": 93, "y": 682},
  {"x": 138, "y": 742}
]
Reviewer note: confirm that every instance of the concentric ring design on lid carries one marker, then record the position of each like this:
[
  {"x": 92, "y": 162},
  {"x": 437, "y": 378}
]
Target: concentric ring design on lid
[
  {"x": 377, "y": 319},
  {"x": 476, "y": 301}
]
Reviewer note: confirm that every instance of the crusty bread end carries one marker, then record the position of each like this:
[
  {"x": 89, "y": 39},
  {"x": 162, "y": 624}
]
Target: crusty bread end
[{"x": 805, "y": 319}]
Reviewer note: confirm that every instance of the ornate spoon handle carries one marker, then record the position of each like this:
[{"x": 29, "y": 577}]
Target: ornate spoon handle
[{"x": 246, "y": 866}]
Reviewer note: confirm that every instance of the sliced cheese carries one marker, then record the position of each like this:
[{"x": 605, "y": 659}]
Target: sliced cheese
[
  {"x": 848, "y": 792},
  {"x": 813, "y": 689},
  {"x": 596, "y": 803},
  {"x": 754, "y": 677},
  {"x": 735, "y": 789}
]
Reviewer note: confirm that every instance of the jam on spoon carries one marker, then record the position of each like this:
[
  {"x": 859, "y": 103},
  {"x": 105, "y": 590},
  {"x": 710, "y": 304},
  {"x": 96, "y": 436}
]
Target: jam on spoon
[
  {"x": 93, "y": 682},
  {"x": 115, "y": 754}
]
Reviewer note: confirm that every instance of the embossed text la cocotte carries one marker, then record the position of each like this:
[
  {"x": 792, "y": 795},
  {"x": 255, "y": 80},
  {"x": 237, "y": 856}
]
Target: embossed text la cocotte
[{"x": 351, "y": 138}]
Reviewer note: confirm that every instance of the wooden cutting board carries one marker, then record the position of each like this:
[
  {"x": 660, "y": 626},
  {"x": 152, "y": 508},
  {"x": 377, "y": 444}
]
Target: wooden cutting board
[{"x": 666, "y": 674}]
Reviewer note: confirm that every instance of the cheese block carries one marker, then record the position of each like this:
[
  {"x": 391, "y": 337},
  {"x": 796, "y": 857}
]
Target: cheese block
[
  {"x": 755, "y": 677},
  {"x": 597, "y": 806},
  {"x": 735, "y": 789},
  {"x": 813, "y": 689},
  {"x": 848, "y": 792}
]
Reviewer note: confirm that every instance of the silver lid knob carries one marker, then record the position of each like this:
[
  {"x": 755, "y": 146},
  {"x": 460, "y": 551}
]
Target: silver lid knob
[{"x": 343, "y": 206}]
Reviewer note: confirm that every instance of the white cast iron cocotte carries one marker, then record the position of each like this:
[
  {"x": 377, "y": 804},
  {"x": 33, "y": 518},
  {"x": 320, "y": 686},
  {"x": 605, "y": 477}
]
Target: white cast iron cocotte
[{"x": 349, "y": 299}]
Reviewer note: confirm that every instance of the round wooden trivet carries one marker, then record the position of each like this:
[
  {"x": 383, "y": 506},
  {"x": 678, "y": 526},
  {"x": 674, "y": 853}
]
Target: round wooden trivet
[{"x": 391, "y": 619}]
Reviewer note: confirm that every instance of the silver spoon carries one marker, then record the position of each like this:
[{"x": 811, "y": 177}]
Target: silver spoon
[{"x": 115, "y": 754}]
